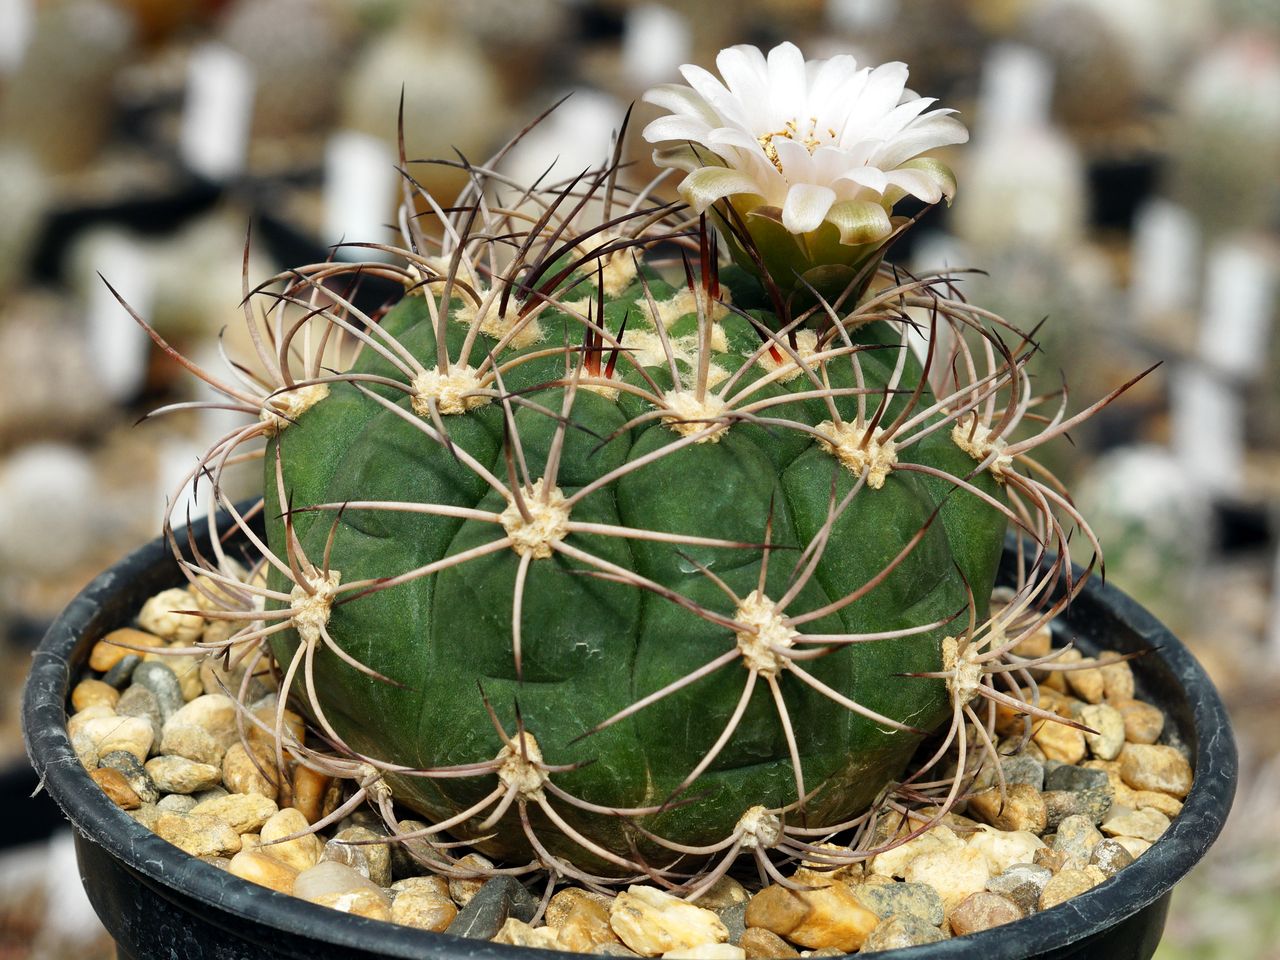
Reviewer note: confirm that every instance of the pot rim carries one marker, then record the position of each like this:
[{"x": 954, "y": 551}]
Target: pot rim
[{"x": 171, "y": 873}]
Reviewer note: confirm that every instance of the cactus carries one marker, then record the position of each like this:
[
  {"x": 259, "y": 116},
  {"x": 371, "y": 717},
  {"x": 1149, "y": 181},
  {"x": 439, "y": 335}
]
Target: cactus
[{"x": 606, "y": 556}]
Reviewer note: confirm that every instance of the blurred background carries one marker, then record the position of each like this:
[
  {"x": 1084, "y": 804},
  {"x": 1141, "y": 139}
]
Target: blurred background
[{"x": 1123, "y": 181}]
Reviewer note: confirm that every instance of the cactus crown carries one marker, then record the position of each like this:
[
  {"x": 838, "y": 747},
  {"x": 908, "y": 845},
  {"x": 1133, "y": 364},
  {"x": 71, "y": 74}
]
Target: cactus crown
[{"x": 611, "y": 558}]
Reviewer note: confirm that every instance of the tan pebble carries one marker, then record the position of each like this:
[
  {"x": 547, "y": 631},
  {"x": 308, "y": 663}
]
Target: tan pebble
[
  {"x": 1155, "y": 767},
  {"x": 1155, "y": 800},
  {"x": 246, "y": 812},
  {"x": 309, "y": 788},
  {"x": 1112, "y": 768},
  {"x": 1107, "y": 723},
  {"x": 161, "y": 616},
  {"x": 198, "y": 835},
  {"x": 827, "y": 864},
  {"x": 1021, "y": 808},
  {"x": 429, "y": 886},
  {"x": 214, "y": 713},
  {"x": 329, "y": 880},
  {"x": 725, "y": 892},
  {"x": 333, "y": 798},
  {"x": 758, "y": 943},
  {"x": 776, "y": 909},
  {"x": 412, "y": 908},
  {"x": 147, "y": 815},
  {"x": 360, "y": 903},
  {"x": 1055, "y": 681},
  {"x": 192, "y": 742},
  {"x": 462, "y": 889},
  {"x": 585, "y": 926},
  {"x": 1143, "y": 723},
  {"x": 1136, "y": 846},
  {"x": 87, "y": 693},
  {"x": 707, "y": 951},
  {"x": 982, "y": 911},
  {"x": 86, "y": 750},
  {"x": 118, "y": 644},
  {"x": 1145, "y": 824},
  {"x": 565, "y": 900},
  {"x": 264, "y": 870},
  {"x": 1053, "y": 860},
  {"x": 1003, "y": 848},
  {"x": 185, "y": 667},
  {"x": 77, "y": 721},
  {"x": 180, "y": 775},
  {"x": 1059, "y": 702},
  {"x": 222, "y": 863},
  {"x": 830, "y": 917},
  {"x": 131, "y": 734},
  {"x": 953, "y": 873},
  {"x": 652, "y": 922},
  {"x": 1059, "y": 741},
  {"x": 300, "y": 852},
  {"x": 362, "y": 849},
  {"x": 893, "y": 863},
  {"x": 1117, "y": 677},
  {"x": 210, "y": 594},
  {"x": 517, "y": 933},
  {"x": 1068, "y": 883},
  {"x": 115, "y": 786},
  {"x": 1088, "y": 685},
  {"x": 1035, "y": 644},
  {"x": 243, "y": 772},
  {"x": 295, "y": 728}
]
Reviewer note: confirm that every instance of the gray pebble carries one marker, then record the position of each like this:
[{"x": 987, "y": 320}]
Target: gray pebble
[
  {"x": 885, "y": 900},
  {"x": 162, "y": 682},
  {"x": 1076, "y": 838},
  {"x": 176, "y": 803},
  {"x": 1017, "y": 769},
  {"x": 900, "y": 931},
  {"x": 138, "y": 701},
  {"x": 120, "y": 674},
  {"x": 1110, "y": 856},
  {"x": 488, "y": 910},
  {"x": 408, "y": 856},
  {"x": 1060, "y": 804},
  {"x": 134, "y": 774},
  {"x": 734, "y": 918},
  {"x": 613, "y": 950},
  {"x": 1076, "y": 779},
  {"x": 1022, "y": 883},
  {"x": 358, "y": 849}
]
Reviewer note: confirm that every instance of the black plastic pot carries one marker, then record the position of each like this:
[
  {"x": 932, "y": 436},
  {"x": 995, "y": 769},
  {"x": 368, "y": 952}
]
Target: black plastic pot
[{"x": 157, "y": 902}]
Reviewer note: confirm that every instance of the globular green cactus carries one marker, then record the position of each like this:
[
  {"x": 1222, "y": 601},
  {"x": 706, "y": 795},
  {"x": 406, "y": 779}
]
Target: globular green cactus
[{"x": 606, "y": 556}]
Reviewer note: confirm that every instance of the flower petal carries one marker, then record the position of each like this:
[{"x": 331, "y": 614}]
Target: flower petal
[
  {"x": 788, "y": 87},
  {"x": 681, "y": 100},
  {"x": 918, "y": 183},
  {"x": 936, "y": 129},
  {"x": 860, "y": 221},
  {"x": 746, "y": 74},
  {"x": 938, "y": 171},
  {"x": 806, "y": 206},
  {"x": 672, "y": 127},
  {"x": 704, "y": 187}
]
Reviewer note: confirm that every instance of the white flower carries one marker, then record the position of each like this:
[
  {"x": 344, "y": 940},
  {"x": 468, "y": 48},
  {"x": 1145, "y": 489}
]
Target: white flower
[{"x": 806, "y": 142}]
